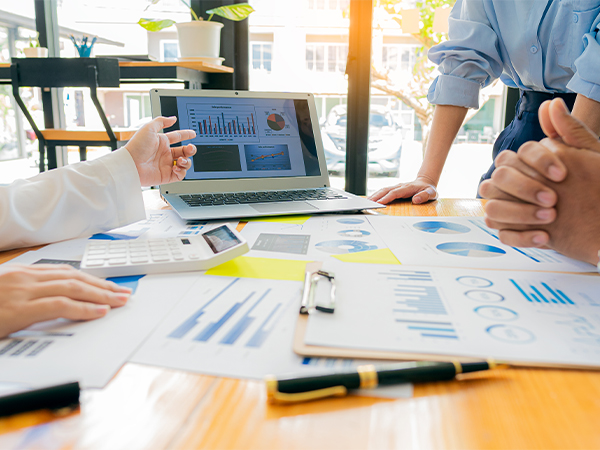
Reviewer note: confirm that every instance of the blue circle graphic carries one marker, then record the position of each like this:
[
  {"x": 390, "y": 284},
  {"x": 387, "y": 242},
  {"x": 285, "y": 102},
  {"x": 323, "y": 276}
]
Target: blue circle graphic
[
  {"x": 344, "y": 246},
  {"x": 498, "y": 313},
  {"x": 470, "y": 249},
  {"x": 350, "y": 221},
  {"x": 353, "y": 233},
  {"x": 484, "y": 296},
  {"x": 511, "y": 334},
  {"x": 439, "y": 227},
  {"x": 474, "y": 281}
]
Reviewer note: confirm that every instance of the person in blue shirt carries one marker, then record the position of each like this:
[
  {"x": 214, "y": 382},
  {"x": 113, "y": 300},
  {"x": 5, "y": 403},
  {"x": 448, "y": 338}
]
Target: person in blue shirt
[{"x": 546, "y": 48}]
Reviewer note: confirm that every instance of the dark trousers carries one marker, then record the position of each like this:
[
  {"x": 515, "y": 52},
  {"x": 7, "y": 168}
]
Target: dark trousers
[{"x": 525, "y": 126}]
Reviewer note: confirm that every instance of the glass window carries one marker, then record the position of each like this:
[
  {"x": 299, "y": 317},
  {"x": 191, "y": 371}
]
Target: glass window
[
  {"x": 18, "y": 148},
  {"x": 397, "y": 132},
  {"x": 261, "y": 56},
  {"x": 307, "y": 53},
  {"x": 326, "y": 57},
  {"x": 114, "y": 22},
  {"x": 169, "y": 50}
]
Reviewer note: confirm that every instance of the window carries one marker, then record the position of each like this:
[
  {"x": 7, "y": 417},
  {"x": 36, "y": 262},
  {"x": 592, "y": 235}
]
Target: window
[
  {"x": 137, "y": 108},
  {"x": 326, "y": 57},
  {"x": 262, "y": 56},
  {"x": 329, "y": 4},
  {"x": 397, "y": 58},
  {"x": 169, "y": 50}
]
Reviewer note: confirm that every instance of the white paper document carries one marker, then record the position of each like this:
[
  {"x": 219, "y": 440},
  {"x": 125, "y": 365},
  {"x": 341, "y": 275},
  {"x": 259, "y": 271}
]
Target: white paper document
[
  {"x": 531, "y": 317},
  {"x": 241, "y": 328},
  {"x": 92, "y": 352},
  {"x": 464, "y": 242},
  {"x": 318, "y": 238}
]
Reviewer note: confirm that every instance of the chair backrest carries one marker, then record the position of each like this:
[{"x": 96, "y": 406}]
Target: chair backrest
[{"x": 67, "y": 72}]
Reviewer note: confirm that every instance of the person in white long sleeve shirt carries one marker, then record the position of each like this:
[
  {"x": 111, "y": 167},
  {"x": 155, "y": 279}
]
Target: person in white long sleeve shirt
[{"x": 74, "y": 201}]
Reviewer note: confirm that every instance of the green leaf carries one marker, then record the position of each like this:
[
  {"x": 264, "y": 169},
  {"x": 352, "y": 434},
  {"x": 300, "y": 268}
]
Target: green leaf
[
  {"x": 155, "y": 25},
  {"x": 239, "y": 11}
]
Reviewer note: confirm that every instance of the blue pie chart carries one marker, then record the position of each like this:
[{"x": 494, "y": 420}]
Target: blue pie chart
[
  {"x": 439, "y": 227},
  {"x": 350, "y": 221},
  {"x": 344, "y": 246},
  {"x": 470, "y": 249}
]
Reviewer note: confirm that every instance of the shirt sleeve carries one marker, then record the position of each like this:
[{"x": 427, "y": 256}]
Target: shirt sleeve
[
  {"x": 72, "y": 201},
  {"x": 586, "y": 80},
  {"x": 468, "y": 60}
]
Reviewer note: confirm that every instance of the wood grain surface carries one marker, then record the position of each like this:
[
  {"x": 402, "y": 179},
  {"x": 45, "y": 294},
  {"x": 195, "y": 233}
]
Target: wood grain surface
[{"x": 154, "y": 408}]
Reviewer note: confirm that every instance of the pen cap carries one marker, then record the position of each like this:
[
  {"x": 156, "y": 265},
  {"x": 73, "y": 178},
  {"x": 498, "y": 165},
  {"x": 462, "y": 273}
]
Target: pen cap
[{"x": 55, "y": 397}]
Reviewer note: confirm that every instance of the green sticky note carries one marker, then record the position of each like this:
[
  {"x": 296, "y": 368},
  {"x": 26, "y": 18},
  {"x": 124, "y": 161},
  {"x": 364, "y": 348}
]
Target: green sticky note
[{"x": 264, "y": 268}]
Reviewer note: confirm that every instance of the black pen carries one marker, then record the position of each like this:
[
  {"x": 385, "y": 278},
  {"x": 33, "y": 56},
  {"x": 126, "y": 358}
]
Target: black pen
[
  {"x": 54, "y": 397},
  {"x": 294, "y": 390}
]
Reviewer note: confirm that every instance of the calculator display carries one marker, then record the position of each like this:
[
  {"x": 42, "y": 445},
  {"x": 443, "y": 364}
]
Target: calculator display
[{"x": 220, "y": 239}]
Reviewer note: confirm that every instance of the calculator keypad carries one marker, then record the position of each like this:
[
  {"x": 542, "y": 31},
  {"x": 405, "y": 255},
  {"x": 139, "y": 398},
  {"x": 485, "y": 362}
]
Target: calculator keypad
[{"x": 119, "y": 253}]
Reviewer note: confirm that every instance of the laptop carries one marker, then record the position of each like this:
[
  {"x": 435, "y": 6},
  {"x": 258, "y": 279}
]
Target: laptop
[{"x": 259, "y": 154}]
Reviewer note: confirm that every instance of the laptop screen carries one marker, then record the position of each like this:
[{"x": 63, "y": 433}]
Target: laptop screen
[{"x": 246, "y": 137}]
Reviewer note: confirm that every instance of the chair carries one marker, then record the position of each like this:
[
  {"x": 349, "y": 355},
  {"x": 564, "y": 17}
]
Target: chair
[{"x": 48, "y": 73}]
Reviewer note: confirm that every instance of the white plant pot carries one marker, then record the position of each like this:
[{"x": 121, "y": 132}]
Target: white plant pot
[
  {"x": 36, "y": 52},
  {"x": 199, "y": 38}
]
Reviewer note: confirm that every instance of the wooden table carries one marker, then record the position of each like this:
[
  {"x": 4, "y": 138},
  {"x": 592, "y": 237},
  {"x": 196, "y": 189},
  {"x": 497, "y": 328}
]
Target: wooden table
[{"x": 155, "y": 408}]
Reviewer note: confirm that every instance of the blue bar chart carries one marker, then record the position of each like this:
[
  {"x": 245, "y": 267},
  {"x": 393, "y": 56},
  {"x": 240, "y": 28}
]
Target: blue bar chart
[
  {"x": 240, "y": 327},
  {"x": 542, "y": 293},
  {"x": 192, "y": 320},
  {"x": 418, "y": 299},
  {"x": 223, "y": 122}
]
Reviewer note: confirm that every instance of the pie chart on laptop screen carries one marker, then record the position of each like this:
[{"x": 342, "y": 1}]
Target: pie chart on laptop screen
[
  {"x": 440, "y": 227},
  {"x": 470, "y": 249},
  {"x": 275, "y": 122}
]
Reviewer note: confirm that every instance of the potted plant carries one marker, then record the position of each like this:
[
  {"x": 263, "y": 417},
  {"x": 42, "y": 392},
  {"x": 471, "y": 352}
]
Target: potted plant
[
  {"x": 200, "y": 39},
  {"x": 33, "y": 50}
]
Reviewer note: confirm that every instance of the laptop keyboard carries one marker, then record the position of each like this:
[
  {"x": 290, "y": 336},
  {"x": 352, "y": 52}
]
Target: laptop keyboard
[{"x": 236, "y": 198}]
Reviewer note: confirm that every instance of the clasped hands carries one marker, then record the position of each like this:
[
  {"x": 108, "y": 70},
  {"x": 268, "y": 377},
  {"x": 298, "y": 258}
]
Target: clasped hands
[{"x": 547, "y": 195}]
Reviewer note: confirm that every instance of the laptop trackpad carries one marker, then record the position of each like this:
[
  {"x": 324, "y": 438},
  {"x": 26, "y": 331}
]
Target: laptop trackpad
[{"x": 282, "y": 207}]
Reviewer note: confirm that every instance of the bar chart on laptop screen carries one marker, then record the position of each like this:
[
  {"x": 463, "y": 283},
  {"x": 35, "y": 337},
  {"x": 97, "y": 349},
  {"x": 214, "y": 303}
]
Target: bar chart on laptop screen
[{"x": 223, "y": 123}]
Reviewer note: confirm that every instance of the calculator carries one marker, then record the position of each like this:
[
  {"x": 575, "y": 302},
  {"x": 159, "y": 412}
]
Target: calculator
[{"x": 118, "y": 258}]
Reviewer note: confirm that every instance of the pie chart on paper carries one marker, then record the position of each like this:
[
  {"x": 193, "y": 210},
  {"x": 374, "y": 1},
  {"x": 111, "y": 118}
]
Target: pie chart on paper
[
  {"x": 470, "y": 249},
  {"x": 440, "y": 227},
  {"x": 275, "y": 122}
]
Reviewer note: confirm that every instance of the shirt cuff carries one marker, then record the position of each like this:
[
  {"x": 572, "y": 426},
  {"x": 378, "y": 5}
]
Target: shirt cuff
[
  {"x": 128, "y": 189},
  {"x": 583, "y": 87},
  {"x": 455, "y": 91}
]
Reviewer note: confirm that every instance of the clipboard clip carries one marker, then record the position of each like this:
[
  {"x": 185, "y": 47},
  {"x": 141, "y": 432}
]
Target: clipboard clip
[{"x": 309, "y": 305}]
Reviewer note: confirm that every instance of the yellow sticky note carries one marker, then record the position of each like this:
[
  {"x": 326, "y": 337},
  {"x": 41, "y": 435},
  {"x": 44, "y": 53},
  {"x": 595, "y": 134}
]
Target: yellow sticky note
[
  {"x": 264, "y": 268},
  {"x": 379, "y": 256},
  {"x": 298, "y": 220}
]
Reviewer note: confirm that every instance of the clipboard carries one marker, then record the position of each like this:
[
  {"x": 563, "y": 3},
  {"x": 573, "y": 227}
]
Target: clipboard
[{"x": 303, "y": 349}]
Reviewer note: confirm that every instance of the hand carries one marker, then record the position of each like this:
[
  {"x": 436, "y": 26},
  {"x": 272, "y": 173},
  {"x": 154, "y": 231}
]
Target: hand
[
  {"x": 535, "y": 175},
  {"x": 31, "y": 294},
  {"x": 153, "y": 156},
  {"x": 421, "y": 190}
]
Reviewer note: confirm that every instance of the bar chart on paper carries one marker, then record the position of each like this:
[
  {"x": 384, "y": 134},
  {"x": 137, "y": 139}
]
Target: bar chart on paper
[
  {"x": 228, "y": 326},
  {"x": 521, "y": 317}
]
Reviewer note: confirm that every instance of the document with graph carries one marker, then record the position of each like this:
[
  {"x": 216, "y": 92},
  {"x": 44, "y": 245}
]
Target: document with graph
[
  {"x": 464, "y": 242},
  {"x": 62, "y": 351},
  {"x": 522, "y": 317},
  {"x": 237, "y": 327}
]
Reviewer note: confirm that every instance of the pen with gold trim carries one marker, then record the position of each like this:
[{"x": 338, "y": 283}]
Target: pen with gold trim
[{"x": 294, "y": 390}]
